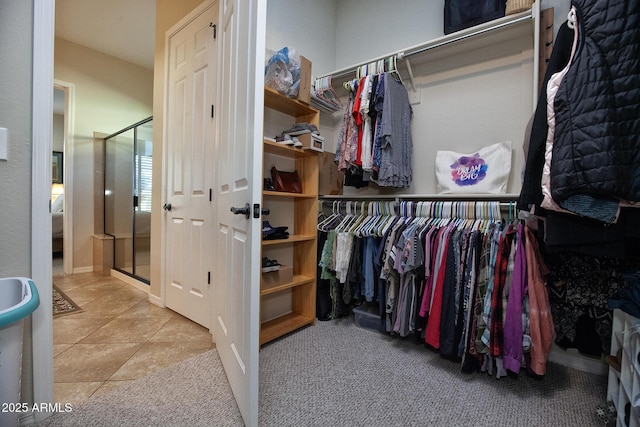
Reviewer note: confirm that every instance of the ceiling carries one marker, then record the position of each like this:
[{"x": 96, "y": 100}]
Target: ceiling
[{"x": 121, "y": 28}]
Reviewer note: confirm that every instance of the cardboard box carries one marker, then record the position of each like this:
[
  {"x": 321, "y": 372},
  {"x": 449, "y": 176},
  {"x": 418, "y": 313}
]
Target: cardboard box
[
  {"x": 304, "y": 94},
  {"x": 330, "y": 180},
  {"x": 278, "y": 277},
  {"x": 311, "y": 142}
]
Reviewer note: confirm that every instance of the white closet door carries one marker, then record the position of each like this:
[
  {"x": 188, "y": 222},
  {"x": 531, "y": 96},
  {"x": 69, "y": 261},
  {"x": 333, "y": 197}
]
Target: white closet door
[{"x": 238, "y": 183}]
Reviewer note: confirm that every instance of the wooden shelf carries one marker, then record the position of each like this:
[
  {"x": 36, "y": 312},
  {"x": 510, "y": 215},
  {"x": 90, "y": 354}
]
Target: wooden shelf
[
  {"x": 298, "y": 279},
  {"x": 293, "y": 107},
  {"x": 284, "y": 150},
  {"x": 282, "y": 325},
  {"x": 292, "y": 239},
  {"x": 284, "y": 194}
]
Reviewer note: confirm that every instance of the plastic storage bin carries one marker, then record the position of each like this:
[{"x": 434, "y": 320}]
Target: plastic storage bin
[
  {"x": 367, "y": 316},
  {"x": 18, "y": 299}
]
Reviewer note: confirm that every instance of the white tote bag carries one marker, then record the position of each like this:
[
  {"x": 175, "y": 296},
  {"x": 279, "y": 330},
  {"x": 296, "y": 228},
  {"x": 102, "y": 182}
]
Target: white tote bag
[{"x": 483, "y": 172}]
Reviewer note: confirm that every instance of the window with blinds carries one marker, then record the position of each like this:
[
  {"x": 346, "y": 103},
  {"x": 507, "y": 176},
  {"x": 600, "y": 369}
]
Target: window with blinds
[{"x": 143, "y": 182}]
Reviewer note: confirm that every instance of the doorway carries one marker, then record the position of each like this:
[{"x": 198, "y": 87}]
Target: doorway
[
  {"x": 62, "y": 178},
  {"x": 57, "y": 185}
]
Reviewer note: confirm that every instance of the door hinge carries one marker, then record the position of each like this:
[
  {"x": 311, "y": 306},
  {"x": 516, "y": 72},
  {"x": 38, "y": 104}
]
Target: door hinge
[
  {"x": 208, "y": 277},
  {"x": 215, "y": 28},
  {"x": 212, "y": 110},
  {"x": 211, "y": 194}
]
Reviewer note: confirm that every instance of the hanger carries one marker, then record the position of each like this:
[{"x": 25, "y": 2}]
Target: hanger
[
  {"x": 394, "y": 68},
  {"x": 357, "y": 222},
  {"x": 393, "y": 218},
  {"x": 327, "y": 222},
  {"x": 376, "y": 215},
  {"x": 347, "y": 217},
  {"x": 324, "y": 93},
  {"x": 571, "y": 18}
]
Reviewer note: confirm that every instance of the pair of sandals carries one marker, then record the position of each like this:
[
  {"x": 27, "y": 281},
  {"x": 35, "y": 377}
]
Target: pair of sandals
[{"x": 269, "y": 265}]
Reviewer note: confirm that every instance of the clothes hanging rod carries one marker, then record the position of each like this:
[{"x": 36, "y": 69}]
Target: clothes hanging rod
[
  {"x": 510, "y": 206},
  {"x": 509, "y": 197},
  {"x": 458, "y": 36}
]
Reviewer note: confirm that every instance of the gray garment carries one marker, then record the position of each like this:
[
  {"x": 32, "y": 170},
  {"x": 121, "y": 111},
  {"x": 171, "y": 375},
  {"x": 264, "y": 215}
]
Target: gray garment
[{"x": 396, "y": 145}]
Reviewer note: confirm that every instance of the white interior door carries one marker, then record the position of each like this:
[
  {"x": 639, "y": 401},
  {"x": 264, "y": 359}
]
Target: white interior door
[
  {"x": 189, "y": 161},
  {"x": 238, "y": 182}
]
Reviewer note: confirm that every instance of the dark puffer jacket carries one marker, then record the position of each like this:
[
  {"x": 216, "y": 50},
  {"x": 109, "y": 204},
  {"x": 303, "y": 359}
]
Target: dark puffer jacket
[{"x": 596, "y": 148}]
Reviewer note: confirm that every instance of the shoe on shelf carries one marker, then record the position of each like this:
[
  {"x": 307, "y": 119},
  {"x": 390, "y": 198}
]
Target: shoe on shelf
[
  {"x": 614, "y": 361},
  {"x": 269, "y": 265},
  {"x": 268, "y": 185},
  {"x": 296, "y": 142},
  {"x": 285, "y": 139},
  {"x": 301, "y": 128},
  {"x": 273, "y": 233},
  {"x": 267, "y": 229}
]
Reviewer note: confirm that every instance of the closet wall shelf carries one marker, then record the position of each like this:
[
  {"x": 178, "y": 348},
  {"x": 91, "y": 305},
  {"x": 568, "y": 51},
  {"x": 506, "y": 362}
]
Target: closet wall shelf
[
  {"x": 292, "y": 239},
  {"x": 298, "y": 280},
  {"x": 496, "y": 31},
  {"x": 282, "y": 325}
]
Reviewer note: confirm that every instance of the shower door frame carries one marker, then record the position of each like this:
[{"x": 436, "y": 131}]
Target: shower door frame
[{"x": 133, "y": 127}]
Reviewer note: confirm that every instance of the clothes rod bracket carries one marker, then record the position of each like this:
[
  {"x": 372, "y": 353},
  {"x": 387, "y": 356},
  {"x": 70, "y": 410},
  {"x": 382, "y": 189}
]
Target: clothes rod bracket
[{"x": 400, "y": 55}]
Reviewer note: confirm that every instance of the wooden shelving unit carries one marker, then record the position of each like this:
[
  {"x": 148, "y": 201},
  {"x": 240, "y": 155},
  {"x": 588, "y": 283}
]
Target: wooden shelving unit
[{"x": 302, "y": 241}]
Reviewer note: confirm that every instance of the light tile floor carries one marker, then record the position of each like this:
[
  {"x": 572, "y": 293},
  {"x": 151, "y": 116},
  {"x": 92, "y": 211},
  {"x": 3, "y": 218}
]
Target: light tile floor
[{"x": 117, "y": 337}]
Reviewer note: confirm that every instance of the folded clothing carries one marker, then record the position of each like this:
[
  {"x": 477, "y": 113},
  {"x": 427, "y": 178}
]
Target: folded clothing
[
  {"x": 278, "y": 234},
  {"x": 273, "y": 233}
]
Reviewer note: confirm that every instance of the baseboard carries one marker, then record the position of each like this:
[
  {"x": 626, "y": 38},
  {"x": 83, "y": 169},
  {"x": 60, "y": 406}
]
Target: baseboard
[
  {"x": 573, "y": 359},
  {"x": 141, "y": 286},
  {"x": 156, "y": 300},
  {"x": 87, "y": 269}
]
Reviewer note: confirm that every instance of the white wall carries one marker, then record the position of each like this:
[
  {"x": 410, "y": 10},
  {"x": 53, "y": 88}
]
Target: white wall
[
  {"x": 16, "y": 23},
  {"x": 110, "y": 94},
  {"x": 306, "y": 25},
  {"x": 371, "y": 28}
]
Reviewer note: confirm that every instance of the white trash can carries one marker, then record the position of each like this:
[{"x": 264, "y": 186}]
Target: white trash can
[{"x": 18, "y": 299}]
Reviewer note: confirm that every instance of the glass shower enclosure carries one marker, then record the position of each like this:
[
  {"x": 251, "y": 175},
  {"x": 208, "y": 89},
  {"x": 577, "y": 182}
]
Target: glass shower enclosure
[{"x": 127, "y": 197}]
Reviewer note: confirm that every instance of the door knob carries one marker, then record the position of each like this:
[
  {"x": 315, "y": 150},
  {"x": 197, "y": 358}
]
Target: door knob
[
  {"x": 246, "y": 211},
  {"x": 167, "y": 207}
]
